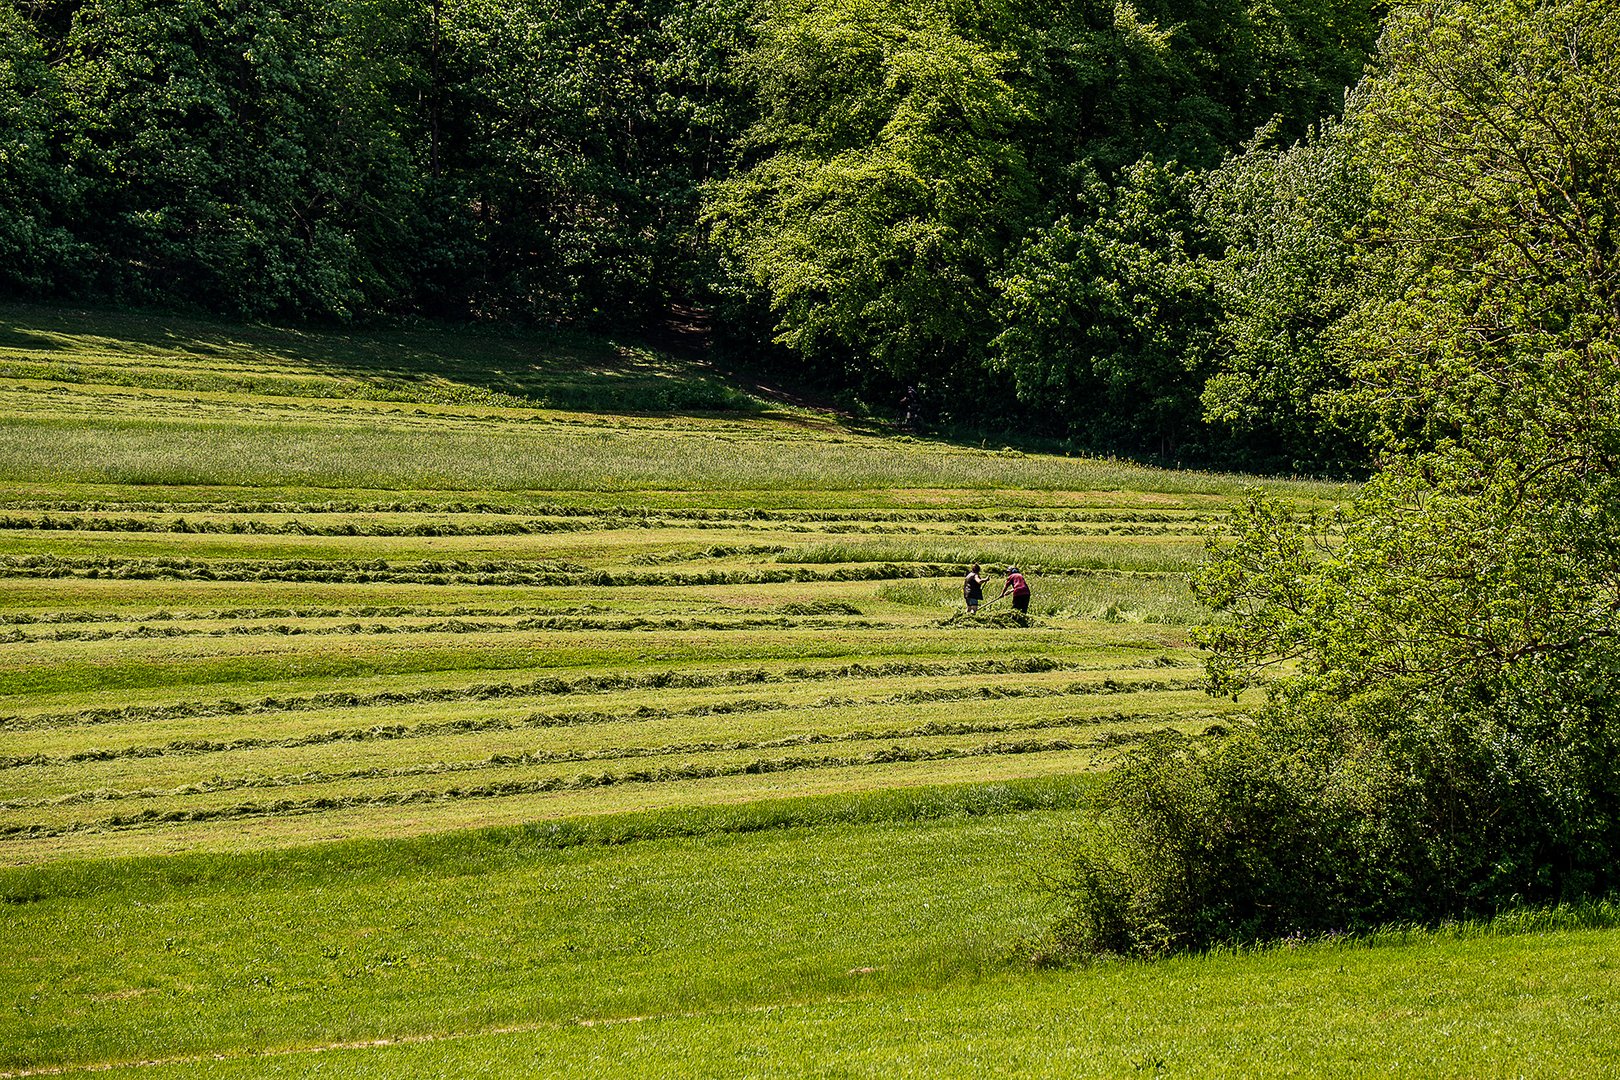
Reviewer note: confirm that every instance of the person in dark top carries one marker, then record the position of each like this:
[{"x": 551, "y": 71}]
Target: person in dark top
[
  {"x": 1019, "y": 589},
  {"x": 973, "y": 590}
]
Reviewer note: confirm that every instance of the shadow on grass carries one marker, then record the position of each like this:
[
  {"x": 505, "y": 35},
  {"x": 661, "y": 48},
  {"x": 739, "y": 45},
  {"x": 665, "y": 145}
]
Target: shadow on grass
[
  {"x": 530, "y": 369},
  {"x": 1593, "y": 913}
]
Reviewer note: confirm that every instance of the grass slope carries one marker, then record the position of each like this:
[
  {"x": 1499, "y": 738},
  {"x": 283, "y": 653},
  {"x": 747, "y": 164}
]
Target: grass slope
[{"x": 542, "y": 705}]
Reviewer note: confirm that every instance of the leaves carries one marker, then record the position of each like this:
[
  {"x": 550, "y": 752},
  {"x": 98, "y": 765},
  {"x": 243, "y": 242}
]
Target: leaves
[
  {"x": 1286, "y": 223},
  {"x": 1459, "y": 617},
  {"x": 1106, "y": 316},
  {"x": 886, "y": 186}
]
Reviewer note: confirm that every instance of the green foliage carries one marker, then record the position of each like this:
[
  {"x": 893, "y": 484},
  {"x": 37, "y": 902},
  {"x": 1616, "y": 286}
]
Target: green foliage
[
  {"x": 1212, "y": 846},
  {"x": 982, "y": 212},
  {"x": 1106, "y": 315},
  {"x": 521, "y": 158},
  {"x": 217, "y": 157},
  {"x": 1179, "y": 80},
  {"x": 37, "y": 251},
  {"x": 972, "y": 202},
  {"x": 885, "y": 180},
  {"x": 1446, "y": 724},
  {"x": 580, "y": 132},
  {"x": 1285, "y": 223}
]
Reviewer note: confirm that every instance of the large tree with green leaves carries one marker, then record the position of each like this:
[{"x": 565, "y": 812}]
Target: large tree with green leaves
[
  {"x": 580, "y": 134},
  {"x": 1284, "y": 271},
  {"x": 1444, "y": 736},
  {"x": 517, "y": 158},
  {"x": 940, "y": 192},
  {"x": 38, "y": 195},
  {"x": 1107, "y": 314},
  {"x": 880, "y": 185},
  {"x": 229, "y": 153}
]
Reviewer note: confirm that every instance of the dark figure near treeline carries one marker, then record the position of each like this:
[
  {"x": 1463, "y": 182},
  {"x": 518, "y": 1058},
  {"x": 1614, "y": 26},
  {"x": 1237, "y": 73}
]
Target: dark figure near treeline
[{"x": 1019, "y": 589}]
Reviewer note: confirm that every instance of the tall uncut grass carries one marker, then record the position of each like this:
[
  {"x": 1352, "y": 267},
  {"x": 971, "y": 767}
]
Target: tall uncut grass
[
  {"x": 350, "y": 453},
  {"x": 1173, "y": 555}
]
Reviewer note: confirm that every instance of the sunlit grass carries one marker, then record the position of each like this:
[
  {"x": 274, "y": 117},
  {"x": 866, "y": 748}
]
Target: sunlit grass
[
  {"x": 360, "y": 688},
  {"x": 350, "y": 453},
  {"x": 725, "y": 935},
  {"x": 1147, "y": 598}
]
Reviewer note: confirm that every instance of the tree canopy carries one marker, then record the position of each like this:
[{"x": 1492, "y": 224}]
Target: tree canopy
[
  {"x": 996, "y": 208},
  {"x": 1443, "y": 736}
]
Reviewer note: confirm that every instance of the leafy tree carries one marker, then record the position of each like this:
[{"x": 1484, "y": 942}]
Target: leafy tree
[
  {"x": 1284, "y": 223},
  {"x": 516, "y": 157},
  {"x": 582, "y": 132},
  {"x": 1445, "y": 736},
  {"x": 224, "y": 158},
  {"x": 1106, "y": 315},
  {"x": 1180, "y": 80},
  {"x": 907, "y": 152},
  {"x": 37, "y": 251},
  {"x": 883, "y": 182}
]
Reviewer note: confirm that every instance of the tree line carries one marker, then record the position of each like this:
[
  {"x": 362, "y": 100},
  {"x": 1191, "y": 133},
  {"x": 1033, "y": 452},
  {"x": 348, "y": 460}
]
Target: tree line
[{"x": 1032, "y": 215}]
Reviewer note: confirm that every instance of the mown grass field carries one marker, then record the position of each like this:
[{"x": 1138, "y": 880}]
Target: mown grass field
[{"x": 536, "y": 705}]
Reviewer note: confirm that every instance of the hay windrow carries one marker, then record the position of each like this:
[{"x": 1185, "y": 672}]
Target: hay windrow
[
  {"x": 508, "y": 788},
  {"x": 551, "y": 686}
]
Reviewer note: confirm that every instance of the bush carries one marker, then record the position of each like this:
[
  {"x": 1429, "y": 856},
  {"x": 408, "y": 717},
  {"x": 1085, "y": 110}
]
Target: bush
[
  {"x": 1243, "y": 841},
  {"x": 1304, "y": 824}
]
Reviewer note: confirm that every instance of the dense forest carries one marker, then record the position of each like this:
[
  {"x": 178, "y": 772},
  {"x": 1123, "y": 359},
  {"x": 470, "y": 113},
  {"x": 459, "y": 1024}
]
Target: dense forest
[{"x": 1047, "y": 217}]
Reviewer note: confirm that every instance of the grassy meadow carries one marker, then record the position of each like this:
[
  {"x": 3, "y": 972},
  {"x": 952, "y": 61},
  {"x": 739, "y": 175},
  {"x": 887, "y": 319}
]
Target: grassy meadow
[{"x": 429, "y": 703}]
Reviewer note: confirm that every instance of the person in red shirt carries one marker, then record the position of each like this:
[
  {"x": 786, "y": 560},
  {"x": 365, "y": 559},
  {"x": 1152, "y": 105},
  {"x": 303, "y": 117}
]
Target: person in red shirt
[{"x": 1019, "y": 589}]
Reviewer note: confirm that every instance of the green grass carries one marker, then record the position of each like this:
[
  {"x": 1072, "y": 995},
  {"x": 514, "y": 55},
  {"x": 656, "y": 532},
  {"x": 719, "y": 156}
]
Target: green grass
[
  {"x": 597, "y": 948},
  {"x": 532, "y": 929},
  {"x": 539, "y": 705},
  {"x": 156, "y": 618},
  {"x": 545, "y": 371},
  {"x": 1157, "y": 598},
  {"x": 435, "y": 411},
  {"x": 457, "y": 453}
]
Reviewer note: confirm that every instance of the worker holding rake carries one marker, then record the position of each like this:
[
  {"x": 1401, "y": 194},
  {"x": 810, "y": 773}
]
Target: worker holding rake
[
  {"x": 973, "y": 590},
  {"x": 1019, "y": 589}
]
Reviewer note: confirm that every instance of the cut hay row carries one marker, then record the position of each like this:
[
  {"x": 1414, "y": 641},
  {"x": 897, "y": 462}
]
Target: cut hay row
[
  {"x": 508, "y": 572},
  {"x": 559, "y": 624},
  {"x": 374, "y": 611},
  {"x": 430, "y": 572},
  {"x": 301, "y": 526},
  {"x": 297, "y": 527},
  {"x": 929, "y": 729},
  {"x": 55, "y": 791},
  {"x": 505, "y": 788},
  {"x": 589, "y": 515},
  {"x": 194, "y": 747},
  {"x": 544, "y": 687}
]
